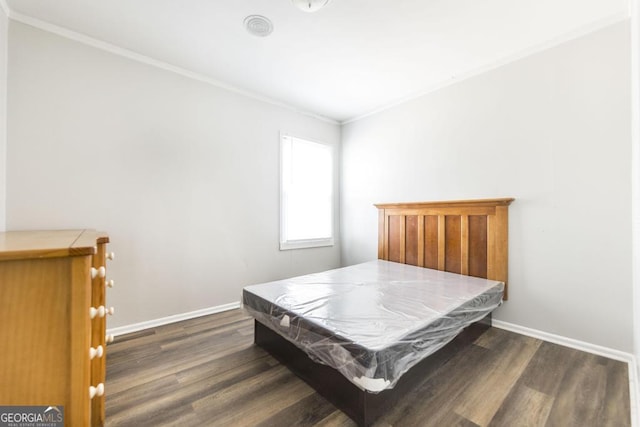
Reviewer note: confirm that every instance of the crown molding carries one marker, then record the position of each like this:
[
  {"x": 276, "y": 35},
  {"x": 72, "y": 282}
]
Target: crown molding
[
  {"x": 521, "y": 54},
  {"x": 138, "y": 57}
]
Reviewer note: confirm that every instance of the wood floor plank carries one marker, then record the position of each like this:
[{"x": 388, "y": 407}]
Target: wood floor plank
[
  {"x": 125, "y": 342},
  {"x": 200, "y": 335},
  {"x": 582, "y": 397},
  {"x": 306, "y": 412},
  {"x": 241, "y": 406},
  {"x": 149, "y": 369},
  {"x": 138, "y": 395},
  {"x": 490, "y": 339},
  {"x": 183, "y": 396},
  {"x": 135, "y": 336},
  {"x": 433, "y": 400},
  {"x": 246, "y": 353},
  {"x": 208, "y": 372},
  {"x": 159, "y": 416},
  {"x": 524, "y": 407},
  {"x": 452, "y": 419},
  {"x": 337, "y": 419},
  {"x": 481, "y": 400},
  {"x": 617, "y": 406},
  {"x": 547, "y": 369}
]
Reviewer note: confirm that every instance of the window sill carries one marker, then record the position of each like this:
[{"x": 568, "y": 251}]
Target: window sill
[{"x": 304, "y": 244}]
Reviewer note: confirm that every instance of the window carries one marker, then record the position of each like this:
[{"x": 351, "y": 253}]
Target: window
[{"x": 306, "y": 193}]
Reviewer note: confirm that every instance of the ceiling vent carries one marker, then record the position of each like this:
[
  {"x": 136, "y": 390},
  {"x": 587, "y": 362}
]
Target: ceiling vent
[{"x": 258, "y": 25}]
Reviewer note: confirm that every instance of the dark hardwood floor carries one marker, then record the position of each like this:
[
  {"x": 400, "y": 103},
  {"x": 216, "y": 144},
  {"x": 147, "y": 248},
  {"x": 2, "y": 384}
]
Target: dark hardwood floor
[{"x": 207, "y": 372}]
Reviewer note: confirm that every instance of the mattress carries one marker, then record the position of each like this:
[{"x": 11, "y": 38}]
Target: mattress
[{"x": 372, "y": 321}]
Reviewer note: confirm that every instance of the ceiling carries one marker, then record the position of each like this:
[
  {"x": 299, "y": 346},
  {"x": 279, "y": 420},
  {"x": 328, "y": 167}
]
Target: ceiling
[{"x": 342, "y": 62}]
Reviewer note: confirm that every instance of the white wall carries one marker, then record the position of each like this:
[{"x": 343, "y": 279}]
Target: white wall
[
  {"x": 635, "y": 165},
  {"x": 551, "y": 130},
  {"x": 4, "y": 25},
  {"x": 183, "y": 175}
]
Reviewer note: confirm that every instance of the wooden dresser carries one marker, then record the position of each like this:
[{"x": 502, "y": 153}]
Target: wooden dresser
[{"x": 53, "y": 321}]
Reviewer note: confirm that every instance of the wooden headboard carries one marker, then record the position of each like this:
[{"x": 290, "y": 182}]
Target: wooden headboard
[{"x": 468, "y": 237}]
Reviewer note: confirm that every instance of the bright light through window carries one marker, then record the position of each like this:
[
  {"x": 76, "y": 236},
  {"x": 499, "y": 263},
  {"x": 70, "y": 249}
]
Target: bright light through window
[{"x": 306, "y": 193}]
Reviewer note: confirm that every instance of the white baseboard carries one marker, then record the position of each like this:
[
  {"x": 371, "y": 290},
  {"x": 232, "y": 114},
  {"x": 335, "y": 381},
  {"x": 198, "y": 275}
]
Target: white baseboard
[
  {"x": 589, "y": 348},
  {"x": 564, "y": 341},
  {"x": 127, "y": 329}
]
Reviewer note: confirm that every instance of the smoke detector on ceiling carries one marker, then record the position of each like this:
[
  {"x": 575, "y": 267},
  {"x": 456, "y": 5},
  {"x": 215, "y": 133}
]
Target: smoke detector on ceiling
[
  {"x": 310, "y": 5},
  {"x": 258, "y": 25}
]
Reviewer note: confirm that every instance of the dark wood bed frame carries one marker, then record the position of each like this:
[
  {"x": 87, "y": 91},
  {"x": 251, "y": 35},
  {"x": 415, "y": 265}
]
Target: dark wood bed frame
[{"x": 467, "y": 237}]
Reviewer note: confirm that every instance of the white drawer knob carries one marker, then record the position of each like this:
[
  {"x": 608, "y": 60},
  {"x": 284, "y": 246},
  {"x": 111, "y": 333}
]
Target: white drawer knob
[
  {"x": 110, "y": 310},
  {"x": 109, "y": 283},
  {"x": 95, "y": 352},
  {"x": 109, "y": 338},
  {"x": 96, "y": 391},
  {"x": 100, "y": 311},
  {"x": 110, "y": 255},
  {"x": 98, "y": 272}
]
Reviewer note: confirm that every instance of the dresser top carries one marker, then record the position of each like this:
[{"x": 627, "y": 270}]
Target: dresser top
[{"x": 49, "y": 243}]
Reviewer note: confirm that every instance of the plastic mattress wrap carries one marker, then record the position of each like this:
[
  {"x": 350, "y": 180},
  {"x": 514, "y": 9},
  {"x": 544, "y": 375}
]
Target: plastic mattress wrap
[{"x": 373, "y": 321}]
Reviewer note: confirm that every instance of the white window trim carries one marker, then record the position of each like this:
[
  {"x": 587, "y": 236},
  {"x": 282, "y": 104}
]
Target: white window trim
[{"x": 305, "y": 243}]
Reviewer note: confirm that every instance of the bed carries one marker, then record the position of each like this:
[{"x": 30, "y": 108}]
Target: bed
[{"x": 364, "y": 335}]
